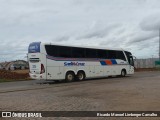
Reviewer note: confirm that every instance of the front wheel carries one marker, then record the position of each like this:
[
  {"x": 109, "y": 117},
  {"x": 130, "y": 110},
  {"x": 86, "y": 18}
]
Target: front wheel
[
  {"x": 69, "y": 76},
  {"x": 123, "y": 73}
]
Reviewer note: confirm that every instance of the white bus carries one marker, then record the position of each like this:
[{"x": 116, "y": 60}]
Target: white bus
[{"x": 61, "y": 62}]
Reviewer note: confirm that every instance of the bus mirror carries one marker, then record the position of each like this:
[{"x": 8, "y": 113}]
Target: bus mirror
[{"x": 134, "y": 58}]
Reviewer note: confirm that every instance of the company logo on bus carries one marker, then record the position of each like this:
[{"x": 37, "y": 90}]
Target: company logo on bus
[{"x": 73, "y": 64}]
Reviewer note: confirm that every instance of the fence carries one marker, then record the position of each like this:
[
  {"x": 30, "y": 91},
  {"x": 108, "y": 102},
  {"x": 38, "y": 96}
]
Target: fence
[{"x": 145, "y": 63}]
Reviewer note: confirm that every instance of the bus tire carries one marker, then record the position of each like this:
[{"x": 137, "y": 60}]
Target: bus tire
[
  {"x": 69, "y": 77},
  {"x": 80, "y": 75},
  {"x": 123, "y": 73}
]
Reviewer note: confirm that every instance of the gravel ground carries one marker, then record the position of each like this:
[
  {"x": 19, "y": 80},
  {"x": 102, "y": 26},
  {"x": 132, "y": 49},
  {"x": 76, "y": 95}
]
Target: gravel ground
[{"x": 139, "y": 92}]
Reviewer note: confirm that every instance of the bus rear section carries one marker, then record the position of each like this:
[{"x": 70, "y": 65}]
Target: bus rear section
[
  {"x": 36, "y": 61},
  {"x": 36, "y": 67}
]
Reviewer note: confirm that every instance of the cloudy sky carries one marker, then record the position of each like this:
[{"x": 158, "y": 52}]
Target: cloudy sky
[{"x": 129, "y": 24}]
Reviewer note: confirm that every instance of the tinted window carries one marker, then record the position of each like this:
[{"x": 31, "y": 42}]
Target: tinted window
[
  {"x": 78, "y": 52},
  {"x": 128, "y": 54},
  {"x": 52, "y": 50},
  {"x": 129, "y": 57},
  {"x": 101, "y": 53},
  {"x": 75, "y": 52},
  {"x": 120, "y": 55},
  {"x": 91, "y": 53},
  {"x": 34, "y": 47},
  {"x": 111, "y": 54},
  {"x": 65, "y": 52},
  {"x": 58, "y": 51}
]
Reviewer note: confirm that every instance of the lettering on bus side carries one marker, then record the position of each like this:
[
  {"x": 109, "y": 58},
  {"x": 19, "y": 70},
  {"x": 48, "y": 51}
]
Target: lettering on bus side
[{"x": 73, "y": 64}]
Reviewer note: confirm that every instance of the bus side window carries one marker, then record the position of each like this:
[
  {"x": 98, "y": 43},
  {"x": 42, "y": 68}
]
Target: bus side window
[
  {"x": 52, "y": 50},
  {"x": 111, "y": 54},
  {"x": 78, "y": 52},
  {"x": 120, "y": 55},
  {"x": 65, "y": 52},
  {"x": 101, "y": 54},
  {"x": 91, "y": 53}
]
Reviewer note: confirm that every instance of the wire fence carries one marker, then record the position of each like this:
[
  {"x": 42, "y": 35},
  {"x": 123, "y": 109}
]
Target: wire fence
[{"x": 146, "y": 63}]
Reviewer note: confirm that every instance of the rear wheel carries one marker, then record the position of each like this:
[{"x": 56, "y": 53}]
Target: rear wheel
[
  {"x": 123, "y": 73},
  {"x": 69, "y": 77},
  {"x": 80, "y": 76}
]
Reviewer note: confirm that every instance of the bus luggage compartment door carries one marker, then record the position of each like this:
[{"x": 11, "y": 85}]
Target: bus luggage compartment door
[{"x": 52, "y": 73}]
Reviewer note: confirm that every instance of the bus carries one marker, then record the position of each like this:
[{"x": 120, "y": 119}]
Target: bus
[{"x": 49, "y": 61}]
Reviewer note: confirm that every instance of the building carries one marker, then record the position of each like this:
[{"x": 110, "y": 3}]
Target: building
[{"x": 13, "y": 65}]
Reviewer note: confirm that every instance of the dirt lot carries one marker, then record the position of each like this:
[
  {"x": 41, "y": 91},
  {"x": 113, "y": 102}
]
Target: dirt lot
[
  {"x": 139, "y": 92},
  {"x": 21, "y": 71},
  {"x": 24, "y": 74},
  {"x": 6, "y": 75}
]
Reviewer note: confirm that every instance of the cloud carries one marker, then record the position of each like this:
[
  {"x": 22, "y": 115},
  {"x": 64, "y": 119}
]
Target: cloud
[
  {"x": 148, "y": 29},
  {"x": 142, "y": 36},
  {"x": 61, "y": 38},
  {"x": 128, "y": 24},
  {"x": 98, "y": 32},
  {"x": 151, "y": 22}
]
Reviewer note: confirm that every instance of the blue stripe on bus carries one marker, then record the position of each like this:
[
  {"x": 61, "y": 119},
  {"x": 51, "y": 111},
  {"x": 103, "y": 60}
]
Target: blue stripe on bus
[
  {"x": 103, "y": 62},
  {"x": 114, "y": 61}
]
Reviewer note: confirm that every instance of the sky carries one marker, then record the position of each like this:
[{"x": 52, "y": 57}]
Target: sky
[{"x": 132, "y": 25}]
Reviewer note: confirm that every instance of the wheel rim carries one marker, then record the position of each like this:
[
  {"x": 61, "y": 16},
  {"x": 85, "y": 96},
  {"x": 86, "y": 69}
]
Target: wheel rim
[
  {"x": 123, "y": 73},
  {"x": 70, "y": 77},
  {"x": 80, "y": 76}
]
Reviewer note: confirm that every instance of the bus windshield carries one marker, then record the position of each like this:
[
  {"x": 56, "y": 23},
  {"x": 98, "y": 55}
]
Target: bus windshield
[
  {"x": 34, "y": 47},
  {"x": 130, "y": 58},
  {"x": 131, "y": 61}
]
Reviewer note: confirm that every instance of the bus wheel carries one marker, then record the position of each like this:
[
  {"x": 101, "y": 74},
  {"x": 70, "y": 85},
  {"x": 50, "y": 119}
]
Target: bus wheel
[
  {"x": 69, "y": 76},
  {"x": 123, "y": 73},
  {"x": 80, "y": 75}
]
